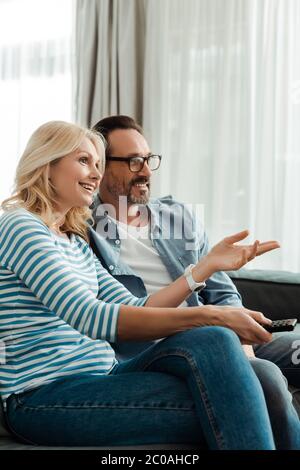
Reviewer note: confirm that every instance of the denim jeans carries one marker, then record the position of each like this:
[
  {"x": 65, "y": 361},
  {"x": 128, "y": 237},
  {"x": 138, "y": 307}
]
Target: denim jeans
[
  {"x": 273, "y": 366},
  {"x": 194, "y": 387},
  {"x": 283, "y": 350},
  {"x": 272, "y": 360}
]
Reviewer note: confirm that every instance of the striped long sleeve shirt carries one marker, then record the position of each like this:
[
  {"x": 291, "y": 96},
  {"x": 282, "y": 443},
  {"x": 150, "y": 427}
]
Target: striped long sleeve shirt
[{"x": 58, "y": 306}]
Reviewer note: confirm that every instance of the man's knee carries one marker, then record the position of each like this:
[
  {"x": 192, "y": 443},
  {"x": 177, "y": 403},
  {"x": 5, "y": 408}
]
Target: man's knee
[
  {"x": 283, "y": 350},
  {"x": 269, "y": 374}
]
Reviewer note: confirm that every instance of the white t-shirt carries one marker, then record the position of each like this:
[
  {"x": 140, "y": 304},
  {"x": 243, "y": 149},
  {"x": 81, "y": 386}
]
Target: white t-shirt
[{"x": 138, "y": 252}]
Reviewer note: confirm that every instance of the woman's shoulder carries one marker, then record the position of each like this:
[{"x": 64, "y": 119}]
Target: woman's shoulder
[
  {"x": 81, "y": 242},
  {"x": 17, "y": 217}
]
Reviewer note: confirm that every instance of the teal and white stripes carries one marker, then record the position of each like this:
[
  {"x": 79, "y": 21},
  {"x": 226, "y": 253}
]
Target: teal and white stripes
[{"x": 58, "y": 306}]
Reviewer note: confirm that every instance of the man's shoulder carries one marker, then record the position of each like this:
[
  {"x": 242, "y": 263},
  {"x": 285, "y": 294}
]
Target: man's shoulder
[
  {"x": 162, "y": 200},
  {"x": 170, "y": 204},
  {"x": 166, "y": 202},
  {"x": 189, "y": 217}
]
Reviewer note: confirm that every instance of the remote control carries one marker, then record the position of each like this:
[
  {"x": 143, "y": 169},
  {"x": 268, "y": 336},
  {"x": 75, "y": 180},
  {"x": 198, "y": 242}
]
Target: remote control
[{"x": 281, "y": 325}]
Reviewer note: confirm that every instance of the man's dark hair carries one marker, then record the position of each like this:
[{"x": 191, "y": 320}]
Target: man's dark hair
[{"x": 111, "y": 123}]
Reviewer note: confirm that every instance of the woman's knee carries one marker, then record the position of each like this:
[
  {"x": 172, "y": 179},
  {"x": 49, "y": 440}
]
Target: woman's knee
[
  {"x": 218, "y": 335},
  {"x": 216, "y": 339}
]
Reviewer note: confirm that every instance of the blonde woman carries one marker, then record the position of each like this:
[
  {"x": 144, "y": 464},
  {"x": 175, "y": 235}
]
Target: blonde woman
[{"x": 59, "y": 309}]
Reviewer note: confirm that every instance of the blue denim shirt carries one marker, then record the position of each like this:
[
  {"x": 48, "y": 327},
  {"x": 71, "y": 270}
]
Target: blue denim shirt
[{"x": 180, "y": 240}]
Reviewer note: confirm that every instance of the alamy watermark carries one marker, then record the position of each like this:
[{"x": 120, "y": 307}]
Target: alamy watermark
[
  {"x": 296, "y": 353},
  {"x": 175, "y": 221}
]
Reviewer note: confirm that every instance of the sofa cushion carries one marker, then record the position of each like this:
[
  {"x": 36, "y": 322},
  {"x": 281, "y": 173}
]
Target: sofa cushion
[
  {"x": 274, "y": 293},
  {"x": 3, "y": 429}
]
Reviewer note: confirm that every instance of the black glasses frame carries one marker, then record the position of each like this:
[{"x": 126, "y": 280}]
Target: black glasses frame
[{"x": 130, "y": 159}]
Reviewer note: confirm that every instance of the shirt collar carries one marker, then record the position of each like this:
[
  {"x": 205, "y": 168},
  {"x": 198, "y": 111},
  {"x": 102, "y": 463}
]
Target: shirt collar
[{"x": 153, "y": 208}]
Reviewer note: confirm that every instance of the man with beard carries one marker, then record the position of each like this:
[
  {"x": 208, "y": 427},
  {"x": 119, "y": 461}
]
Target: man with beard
[{"x": 147, "y": 243}]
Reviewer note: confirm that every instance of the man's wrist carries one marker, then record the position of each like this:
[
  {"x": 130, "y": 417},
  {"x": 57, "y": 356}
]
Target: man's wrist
[{"x": 203, "y": 270}]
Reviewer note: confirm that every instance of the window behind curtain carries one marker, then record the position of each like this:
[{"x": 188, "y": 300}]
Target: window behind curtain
[
  {"x": 35, "y": 74},
  {"x": 221, "y": 104}
]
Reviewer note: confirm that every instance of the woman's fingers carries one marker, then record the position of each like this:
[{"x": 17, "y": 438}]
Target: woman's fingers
[
  {"x": 261, "y": 334},
  {"x": 248, "y": 325},
  {"x": 259, "y": 317},
  {"x": 261, "y": 337}
]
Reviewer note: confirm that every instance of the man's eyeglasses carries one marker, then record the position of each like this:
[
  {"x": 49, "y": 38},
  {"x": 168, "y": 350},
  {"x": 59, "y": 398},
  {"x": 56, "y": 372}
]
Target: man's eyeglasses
[{"x": 136, "y": 164}]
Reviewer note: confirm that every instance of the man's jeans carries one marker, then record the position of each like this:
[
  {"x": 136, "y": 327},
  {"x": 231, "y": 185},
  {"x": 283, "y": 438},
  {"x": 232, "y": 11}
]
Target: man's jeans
[
  {"x": 280, "y": 355},
  {"x": 284, "y": 351},
  {"x": 194, "y": 387}
]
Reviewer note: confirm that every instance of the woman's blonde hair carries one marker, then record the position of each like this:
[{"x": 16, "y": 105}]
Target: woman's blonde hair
[{"x": 33, "y": 190}]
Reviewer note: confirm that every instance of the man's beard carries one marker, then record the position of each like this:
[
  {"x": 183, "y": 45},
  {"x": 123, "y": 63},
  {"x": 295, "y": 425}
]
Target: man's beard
[
  {"x": 116, "y": 190},
  {"x": 132, "y": 199}
]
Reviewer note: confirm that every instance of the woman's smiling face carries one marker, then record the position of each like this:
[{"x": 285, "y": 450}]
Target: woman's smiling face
[{"x": 76, "y": 177}]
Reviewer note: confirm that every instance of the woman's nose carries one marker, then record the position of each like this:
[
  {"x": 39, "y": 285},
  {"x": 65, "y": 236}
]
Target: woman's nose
[{"x": 96, "y": 175}]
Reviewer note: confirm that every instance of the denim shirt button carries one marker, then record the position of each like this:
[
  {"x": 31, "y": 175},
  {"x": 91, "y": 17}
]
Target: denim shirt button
[
  {"x": 111, "y": 267},
  {"x": 117, "y": 242}
]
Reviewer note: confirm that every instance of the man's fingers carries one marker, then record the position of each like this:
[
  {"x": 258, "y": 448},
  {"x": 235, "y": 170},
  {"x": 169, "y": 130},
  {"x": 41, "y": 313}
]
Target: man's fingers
[
  {"x": 267, "y": 246},
  {"x": 253, "y": 251},
  {"x": 257, "y": 248},
  {"x": 237, "y": 237}
]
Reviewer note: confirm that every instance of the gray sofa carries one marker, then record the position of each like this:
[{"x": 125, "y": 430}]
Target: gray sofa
[{"x": 275, "y": 293}]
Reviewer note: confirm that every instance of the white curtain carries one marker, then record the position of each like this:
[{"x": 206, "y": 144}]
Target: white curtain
[
  {"x": 222, "y": 105},
  {"x": 110, "y": 38},
  {"x": 35, "y": 74}
]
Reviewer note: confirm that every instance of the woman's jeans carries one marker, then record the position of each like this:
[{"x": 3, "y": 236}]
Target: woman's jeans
[{"x": 194, "y": 387}]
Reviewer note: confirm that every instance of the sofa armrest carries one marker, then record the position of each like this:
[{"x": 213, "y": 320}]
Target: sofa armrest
[{"x": 274, "y": 293}]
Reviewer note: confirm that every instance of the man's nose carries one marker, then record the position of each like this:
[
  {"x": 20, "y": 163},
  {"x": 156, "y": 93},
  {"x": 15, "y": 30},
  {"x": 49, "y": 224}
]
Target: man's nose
[{"x": 145, "y": 171}]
